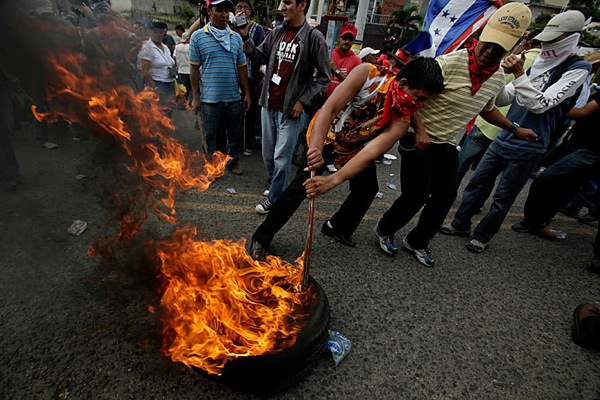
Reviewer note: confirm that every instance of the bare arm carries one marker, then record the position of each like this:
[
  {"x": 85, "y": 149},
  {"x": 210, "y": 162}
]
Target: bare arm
[
  {"x": 587, "y": 110},
  {"x": 195, "y": 82},
  {"x": 319, "y": 185},
  {"x": 146, "y": 74},
  {"x": 243, "y": 74}
]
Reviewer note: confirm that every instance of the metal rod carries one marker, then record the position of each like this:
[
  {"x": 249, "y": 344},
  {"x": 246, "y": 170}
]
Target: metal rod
[{"x": 309, "y": 236}]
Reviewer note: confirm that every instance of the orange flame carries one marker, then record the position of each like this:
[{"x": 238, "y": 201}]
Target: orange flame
[{"x": 220, "y": 304}]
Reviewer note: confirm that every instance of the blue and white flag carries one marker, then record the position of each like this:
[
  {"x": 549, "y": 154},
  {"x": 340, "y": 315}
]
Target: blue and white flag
[{"x": 449, "y": 23}]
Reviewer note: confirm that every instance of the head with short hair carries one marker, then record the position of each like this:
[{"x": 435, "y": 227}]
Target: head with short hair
[
  {"x": 421, "y": 74},
  {"x": 179, "y": 29}
]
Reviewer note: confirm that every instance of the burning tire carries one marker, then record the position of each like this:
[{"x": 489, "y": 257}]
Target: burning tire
[{"x": 272, "y": 373}]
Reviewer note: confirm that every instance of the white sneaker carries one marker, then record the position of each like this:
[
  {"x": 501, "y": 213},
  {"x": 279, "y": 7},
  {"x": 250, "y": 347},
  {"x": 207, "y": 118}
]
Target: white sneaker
[{"x": 266, "y": 193}]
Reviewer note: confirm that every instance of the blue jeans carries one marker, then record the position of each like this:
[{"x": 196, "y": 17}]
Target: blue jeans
[
  {"x": 231, "y": 114},
  {"x": 471, "y": 151},
  {"x": 516, "y": 167},
  {"x": 279, "y": 142},
  {"x": 555, "y": 186}
]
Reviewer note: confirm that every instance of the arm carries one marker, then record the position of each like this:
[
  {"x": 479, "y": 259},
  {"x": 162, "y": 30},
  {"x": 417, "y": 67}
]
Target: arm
[
  {"x": 538, "y": 101},
  {"x": 243, "y": 74},
  {"x": 495, "y": 117},
  {"x": 195, "y": 26},
  {"x": 319, "y": 185},
  {"x": 320, "y": 56},
  {"x": 146, "y": 74},
  {"x": 587, "y": 110},
  {"x": 341, "y": 96},
  {"x": 422, "y": 139},
  {"x": 195, "y": 82}
]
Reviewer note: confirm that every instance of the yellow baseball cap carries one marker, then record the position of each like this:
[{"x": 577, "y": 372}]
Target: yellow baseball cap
[{"x": 506, "y": 26}]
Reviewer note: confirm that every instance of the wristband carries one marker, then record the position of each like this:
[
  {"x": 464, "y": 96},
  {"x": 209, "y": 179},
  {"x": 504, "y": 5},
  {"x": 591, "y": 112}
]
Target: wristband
[{"x": 513, "y": 128}]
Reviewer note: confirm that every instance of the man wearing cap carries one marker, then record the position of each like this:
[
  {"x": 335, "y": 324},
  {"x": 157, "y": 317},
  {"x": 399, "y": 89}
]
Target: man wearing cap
[
  {"x": 428, "y": 165},
  {"x": 218, "y": 50},
  {"x": 540, "y": 100},
  {"x": 368, "y": 54},
  {"x": 297, "y": 71},
  {"x": 343, "y": 59}
]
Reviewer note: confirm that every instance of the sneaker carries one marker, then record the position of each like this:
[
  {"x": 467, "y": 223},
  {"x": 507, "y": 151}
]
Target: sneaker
[
  {"x": 247, "y": 153},
  {"x": 331, "y": 168},
  {"x": 423, "y": 256},
  {"x": 327, "y": 230},
  {"x": 476, "y": 246},
  {"x": 266, "y": 193},
  {"x": 448, "y": 229},
  {"x": 257, "y": 251},
  {"x": 236, "y": 169},
  {"x": 264, "y": 207},
  {"x": 588, "y": 219},
  {"x": 386, "y": 242}
]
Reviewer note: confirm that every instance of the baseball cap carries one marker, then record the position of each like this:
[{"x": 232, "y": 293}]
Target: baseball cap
[
  {"x": 565, "y": 22},
  {"x": 506, "y": 26},
  {"x": 401, "y": 56},
  {"x": 210, "y": 3},
  {"x": 366, "y": 51},
  {"x": 349, "y": 28}
]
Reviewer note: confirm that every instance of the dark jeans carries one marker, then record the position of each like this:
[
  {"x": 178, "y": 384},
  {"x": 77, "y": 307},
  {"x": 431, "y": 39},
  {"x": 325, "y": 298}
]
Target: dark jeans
[
  {"x": 554, "y": 187},
  {"x": 252, "y": 122},
  {"x": 516, "y": 167},
  {"x": 166, "y": 94},
  {"x": 427, "y": 178},
  {"x": 9, "y": 168},
  {"x": 231, "y": 114},
  {"x": 471, "y": 152},
  {"x": 363, "y": 188}
]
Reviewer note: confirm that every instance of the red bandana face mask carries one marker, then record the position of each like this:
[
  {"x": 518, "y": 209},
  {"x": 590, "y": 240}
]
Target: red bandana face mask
[{"x": 399, "y": 101}]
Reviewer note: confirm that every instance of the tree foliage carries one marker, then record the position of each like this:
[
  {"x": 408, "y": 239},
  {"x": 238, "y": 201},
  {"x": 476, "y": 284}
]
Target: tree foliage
[{"x": 407, "y": 19}]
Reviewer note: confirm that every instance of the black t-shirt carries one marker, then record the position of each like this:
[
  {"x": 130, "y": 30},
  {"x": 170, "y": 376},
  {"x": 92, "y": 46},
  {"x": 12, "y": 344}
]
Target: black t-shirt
[{"x": 586, "y": 130}]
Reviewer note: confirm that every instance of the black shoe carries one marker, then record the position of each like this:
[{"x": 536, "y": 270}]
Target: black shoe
[
  {"x": 522, "y": 227},
  {"x": 257, "y": 251},
  {"x": 343, "y": 239}
]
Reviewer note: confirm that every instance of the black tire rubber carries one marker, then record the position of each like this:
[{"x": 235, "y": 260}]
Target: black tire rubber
[{"x": 272, "y": 373}]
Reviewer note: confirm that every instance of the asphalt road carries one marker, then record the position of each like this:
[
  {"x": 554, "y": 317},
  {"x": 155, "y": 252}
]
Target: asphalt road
[{"x": 489, "y": 326}]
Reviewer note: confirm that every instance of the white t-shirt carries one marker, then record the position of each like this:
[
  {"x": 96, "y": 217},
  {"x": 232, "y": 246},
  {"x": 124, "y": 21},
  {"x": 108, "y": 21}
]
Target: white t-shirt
[
  {"x": 160, "y": 61},
  {"x": 182, "y": 57}
]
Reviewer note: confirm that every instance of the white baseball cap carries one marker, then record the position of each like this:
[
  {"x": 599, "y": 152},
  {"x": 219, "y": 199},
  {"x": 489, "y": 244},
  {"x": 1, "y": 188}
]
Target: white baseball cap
[
  {"x": 565, "y": 22},
  {"x": 366, "y": 51}
]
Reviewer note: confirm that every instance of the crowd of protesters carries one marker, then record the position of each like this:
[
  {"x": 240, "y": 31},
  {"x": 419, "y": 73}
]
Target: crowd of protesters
[{"x": 274, "y": 90}]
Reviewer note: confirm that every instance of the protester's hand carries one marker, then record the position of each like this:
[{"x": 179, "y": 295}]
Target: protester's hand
[
  {"x": 297, "y": 110},
  {"x": 314, "y": 159},
  {"x": 196, "y": 105},
  {"x": 526, "y": 134},
  {"x": 513, "y": 64},
  {"x": 422, "y": 140},
  {"x": 247, "y": 101},
  {"x": 318, "y": 185}
]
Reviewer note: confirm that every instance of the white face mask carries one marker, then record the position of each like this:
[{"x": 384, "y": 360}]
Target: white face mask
[{"x": 553, "y": 54}]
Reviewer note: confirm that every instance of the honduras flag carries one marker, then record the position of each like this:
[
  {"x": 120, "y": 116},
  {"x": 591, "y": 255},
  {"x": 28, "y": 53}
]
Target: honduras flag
[{"x": 448, "y": 23}]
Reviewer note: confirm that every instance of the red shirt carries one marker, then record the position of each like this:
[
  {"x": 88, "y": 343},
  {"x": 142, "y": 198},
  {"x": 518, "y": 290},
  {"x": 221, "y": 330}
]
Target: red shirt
[
  {"x": 345, "y": 63},
  {"x": 285, "y": 61}
]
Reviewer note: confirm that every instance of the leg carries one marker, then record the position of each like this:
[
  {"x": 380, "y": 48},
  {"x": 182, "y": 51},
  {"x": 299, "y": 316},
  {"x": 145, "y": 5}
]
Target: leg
[
  {"x": 415, "y": 175},
  {"x": 363, "y": 188},
  {"x": 210, "y": 114},
  {"x": 479, "y": 187},
  {"x": 443, "y": 194},
  {"x": 270, "y": 130},
  {"x": 282, "y": 155},
  {"x": 515, "y": 174},
  {"x": 234, "y": 122},
  {"x": 9, "y": 168},
  {"x": 551, "y": 190},
  {"x": 471, "y": 152}
]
